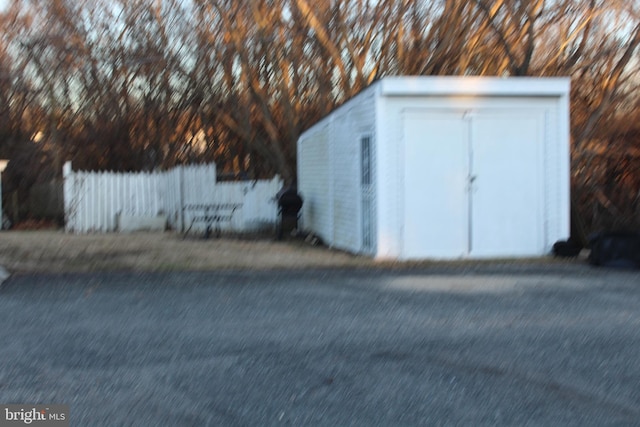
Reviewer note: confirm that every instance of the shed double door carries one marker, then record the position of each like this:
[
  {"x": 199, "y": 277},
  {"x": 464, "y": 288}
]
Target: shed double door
[{"x": 472, "y": 183}]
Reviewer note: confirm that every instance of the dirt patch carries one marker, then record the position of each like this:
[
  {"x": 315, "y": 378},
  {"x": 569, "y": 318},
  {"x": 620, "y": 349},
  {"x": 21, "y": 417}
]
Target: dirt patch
[{"x": 57, "y": 251}]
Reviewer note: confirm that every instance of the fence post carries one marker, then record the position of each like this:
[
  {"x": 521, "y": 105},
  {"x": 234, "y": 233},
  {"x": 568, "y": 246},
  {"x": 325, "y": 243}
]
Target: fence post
[
  {"x": 68, "y": 194},
  {"x": 181, "y": 196}
]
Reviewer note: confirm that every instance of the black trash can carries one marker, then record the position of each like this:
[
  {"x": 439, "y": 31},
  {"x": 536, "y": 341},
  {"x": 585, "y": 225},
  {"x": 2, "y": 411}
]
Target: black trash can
[{"x": 289, "y": 205}]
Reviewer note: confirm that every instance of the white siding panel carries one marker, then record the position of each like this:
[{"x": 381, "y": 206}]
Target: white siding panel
[
  {"x": 348, "y": 128},
  {"x": 389, "y": 179},
  {"x": 329, "y": 172},
  {"x": 345, "y": 195},
  {"x": 314, "y": 182},
  {"x": 556, "y": 185}
]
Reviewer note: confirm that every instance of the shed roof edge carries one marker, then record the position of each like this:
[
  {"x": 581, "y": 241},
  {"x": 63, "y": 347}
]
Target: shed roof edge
[{"x": 476, "y": 86}]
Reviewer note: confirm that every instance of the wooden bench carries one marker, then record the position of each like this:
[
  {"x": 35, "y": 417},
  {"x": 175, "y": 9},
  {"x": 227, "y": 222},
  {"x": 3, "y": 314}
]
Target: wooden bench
[{"x": 212, "y": 215}]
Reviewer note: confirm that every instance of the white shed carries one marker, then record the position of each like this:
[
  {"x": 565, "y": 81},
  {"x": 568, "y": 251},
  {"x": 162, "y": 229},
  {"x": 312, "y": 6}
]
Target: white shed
[{"x": 441, "y": 168}]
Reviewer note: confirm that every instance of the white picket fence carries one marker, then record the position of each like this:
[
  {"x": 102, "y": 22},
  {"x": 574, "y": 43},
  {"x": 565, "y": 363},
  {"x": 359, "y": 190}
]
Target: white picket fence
[{"x": 93, "y": 201}]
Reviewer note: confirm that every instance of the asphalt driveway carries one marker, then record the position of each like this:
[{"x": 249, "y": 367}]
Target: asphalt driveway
[{"x": 490, "y": 345}]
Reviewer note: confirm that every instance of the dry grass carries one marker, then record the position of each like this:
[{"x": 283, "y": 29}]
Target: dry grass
[{"x": 57, "y": 251}]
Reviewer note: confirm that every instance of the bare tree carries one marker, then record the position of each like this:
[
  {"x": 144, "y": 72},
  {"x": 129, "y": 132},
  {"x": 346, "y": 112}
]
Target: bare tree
[{"x": 139, "y": 84}]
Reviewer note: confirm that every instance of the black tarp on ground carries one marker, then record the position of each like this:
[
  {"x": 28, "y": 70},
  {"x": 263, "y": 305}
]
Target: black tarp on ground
[{"x": 615, "y": 249}]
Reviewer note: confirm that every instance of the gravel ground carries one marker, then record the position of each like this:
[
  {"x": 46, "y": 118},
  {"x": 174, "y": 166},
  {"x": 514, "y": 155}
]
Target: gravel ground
[
  {"x": 154, "y": 329},
  {"x": 485, "y": 344}
]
